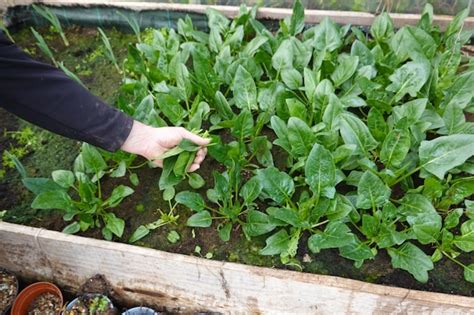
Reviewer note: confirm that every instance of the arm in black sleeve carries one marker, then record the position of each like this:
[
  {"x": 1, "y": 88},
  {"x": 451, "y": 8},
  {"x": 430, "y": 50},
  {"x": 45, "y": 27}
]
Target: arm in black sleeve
[{"x": 45, "y": 96}]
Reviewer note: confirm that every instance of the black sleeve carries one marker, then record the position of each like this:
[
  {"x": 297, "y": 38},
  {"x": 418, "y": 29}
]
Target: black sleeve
[{"x": 45, "y": 96}]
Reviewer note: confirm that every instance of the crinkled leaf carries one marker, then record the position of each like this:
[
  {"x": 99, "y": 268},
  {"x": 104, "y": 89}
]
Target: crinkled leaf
[
  {"x": 336, "y": 234},
  {"x": 300, "y": 136},
  {"x": 344, "y": 70},
  {"x": 245, "y": 91},
  {"x": 63, "y": 178},
  {"x": 114, "y": 224},
  {"x": 371, "y": 191},
  {"x": 118, "y": 194},
  {"x": 297, "y": 18},
  {"x": 326, "y": 36},
  {"x": 258, "y": 223},
  {"x": 92, "y": 159},
  {"x": 320, "y": 171},
  {"x": 465, "y": 241},
  {"x": 382, "y": 27},
  {"x": 440, "y": 155},
  {"x": 276, "y": 244},
  {"x": 409, "y": 79},
  {"x": 277, "y": 185},
  {"x": 355, "y": 132},
  {"x": 426, "y": 226},
  {"x": 251, "y": 190},
  {"x": 412, "y": 259},
  {"x": 53, "y": 199},
  {"x": 395, "y": 147}
]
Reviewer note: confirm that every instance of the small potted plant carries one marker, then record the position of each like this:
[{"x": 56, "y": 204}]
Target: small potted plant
[
  {"x": 40, "y": 298},
  {"x": 91, "y": 304},
  {"x": 140, "y": 310},
  {"x": 8, "y": 290}
]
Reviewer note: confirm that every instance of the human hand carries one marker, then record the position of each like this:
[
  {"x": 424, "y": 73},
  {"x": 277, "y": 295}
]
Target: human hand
[{"x": 151, "y": 142}]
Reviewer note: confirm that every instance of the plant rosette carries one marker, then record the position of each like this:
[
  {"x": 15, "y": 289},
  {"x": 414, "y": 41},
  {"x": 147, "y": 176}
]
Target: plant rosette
[
  {"x": 40, "y": 298},
  {"x": 8, "y": 290},
  {"x": 92, "y": 304}
]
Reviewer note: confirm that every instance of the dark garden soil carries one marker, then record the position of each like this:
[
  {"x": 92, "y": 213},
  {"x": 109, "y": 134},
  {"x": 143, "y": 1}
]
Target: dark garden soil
[{"x": 86, "y": 58}]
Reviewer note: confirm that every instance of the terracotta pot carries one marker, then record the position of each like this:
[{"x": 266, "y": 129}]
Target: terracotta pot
[{"x": 30, "y": 293}]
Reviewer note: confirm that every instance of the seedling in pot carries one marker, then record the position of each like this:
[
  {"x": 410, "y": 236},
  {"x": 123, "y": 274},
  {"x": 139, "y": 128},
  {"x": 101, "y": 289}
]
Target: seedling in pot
[
  {"x": 94, "y": 304},
  {"x": 8, "y": 290}
]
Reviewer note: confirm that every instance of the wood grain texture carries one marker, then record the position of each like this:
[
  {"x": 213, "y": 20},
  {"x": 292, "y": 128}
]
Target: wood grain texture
[
  {"x": 187, "y": 284},
  {"x": 311, "y": 16}
]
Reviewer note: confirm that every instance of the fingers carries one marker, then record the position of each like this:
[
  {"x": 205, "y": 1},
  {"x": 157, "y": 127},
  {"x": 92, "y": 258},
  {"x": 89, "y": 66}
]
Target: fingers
[
  {"x": 201, "y": 154},
  {"x": 192, "y": 137},
  {"x": 158, "y": 163}
]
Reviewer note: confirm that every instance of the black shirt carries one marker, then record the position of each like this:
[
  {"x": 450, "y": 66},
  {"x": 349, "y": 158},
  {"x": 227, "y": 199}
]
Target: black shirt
[{"x": 47, "y": 97}]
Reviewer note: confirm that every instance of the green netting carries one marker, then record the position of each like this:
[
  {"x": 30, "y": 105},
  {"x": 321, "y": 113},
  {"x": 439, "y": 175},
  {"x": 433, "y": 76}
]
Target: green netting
[
  {"x": 102, "y": 16},
  {"x": 448, "y": 7},
  {"x": 106, "y": 16}
]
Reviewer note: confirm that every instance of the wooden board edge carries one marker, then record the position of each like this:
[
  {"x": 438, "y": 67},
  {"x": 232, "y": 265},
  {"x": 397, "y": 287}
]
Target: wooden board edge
[
  {"x": 359, "y": 291},
  {"x": 311, "y": 16}
]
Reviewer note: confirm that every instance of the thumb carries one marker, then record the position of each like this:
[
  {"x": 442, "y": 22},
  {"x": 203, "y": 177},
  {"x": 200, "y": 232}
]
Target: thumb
[{"x": 194, "y": 138}]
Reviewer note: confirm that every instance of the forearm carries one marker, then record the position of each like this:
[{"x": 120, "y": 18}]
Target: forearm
[{"x": 46, "y": 97}]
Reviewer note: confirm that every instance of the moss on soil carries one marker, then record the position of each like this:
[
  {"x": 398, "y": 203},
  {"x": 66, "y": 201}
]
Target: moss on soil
[{"x": 86, "y": 58}]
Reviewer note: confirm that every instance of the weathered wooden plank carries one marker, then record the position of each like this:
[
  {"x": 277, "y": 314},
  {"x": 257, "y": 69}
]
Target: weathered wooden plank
[
  {"x": 311, "y": 16},
  {"x": 186, "y": 284}
]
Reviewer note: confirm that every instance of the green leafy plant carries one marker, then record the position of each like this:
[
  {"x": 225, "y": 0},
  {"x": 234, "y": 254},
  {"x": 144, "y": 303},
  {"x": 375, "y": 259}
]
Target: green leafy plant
[
  {"x": 356, "y": 142},
  {"x": 49, "y": 15},
  {"x": 79, "y": 195},
  {"x": 165, "y": 218}
]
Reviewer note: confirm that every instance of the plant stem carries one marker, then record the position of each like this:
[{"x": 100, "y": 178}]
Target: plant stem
[
  {"x": 407, "y": 175},
  {"x": 453, "y": 260},
  {"x": 320, "y": 223}
]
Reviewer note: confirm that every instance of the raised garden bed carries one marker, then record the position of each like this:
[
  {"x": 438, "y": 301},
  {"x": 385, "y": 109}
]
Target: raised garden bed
[{"x": 434, "y": 191}]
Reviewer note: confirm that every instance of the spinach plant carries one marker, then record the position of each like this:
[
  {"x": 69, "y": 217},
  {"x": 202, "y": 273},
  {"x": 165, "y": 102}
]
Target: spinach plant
[
  {"x": 79, "y": 195},
  {"x": 351, "y": 141}
]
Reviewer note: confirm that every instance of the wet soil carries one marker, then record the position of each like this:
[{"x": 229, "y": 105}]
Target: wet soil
[{"x": 145, "y": 204}]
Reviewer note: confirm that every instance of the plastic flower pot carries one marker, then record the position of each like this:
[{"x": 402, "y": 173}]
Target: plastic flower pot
[
  {"x": 80, "y": 305},
  {"x": 8, "y": 290},
  {"x": 28, "y": 296},
  {"x": 140, "y": 310}
]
